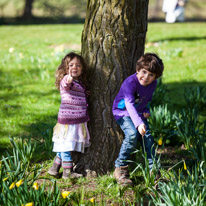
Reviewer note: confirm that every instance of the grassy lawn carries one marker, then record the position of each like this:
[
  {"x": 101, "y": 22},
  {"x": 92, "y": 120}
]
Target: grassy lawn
[
  {"x": 30, "y": 55},
  {"x": 181, "y": 47},
  {"x": 30, "y": 102}
]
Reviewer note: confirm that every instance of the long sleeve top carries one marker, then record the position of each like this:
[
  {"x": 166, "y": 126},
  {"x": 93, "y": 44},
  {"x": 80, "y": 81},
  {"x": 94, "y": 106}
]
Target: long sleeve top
[
  {"x": 73, "y": 108},
  {"x": 135, "y": 99}
]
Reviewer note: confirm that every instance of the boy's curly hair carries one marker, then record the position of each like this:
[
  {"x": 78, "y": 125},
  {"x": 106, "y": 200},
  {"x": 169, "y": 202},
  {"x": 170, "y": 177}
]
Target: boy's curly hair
[
  {"x": 152, "y": 63},
  {"x": 64, "y": 66}
]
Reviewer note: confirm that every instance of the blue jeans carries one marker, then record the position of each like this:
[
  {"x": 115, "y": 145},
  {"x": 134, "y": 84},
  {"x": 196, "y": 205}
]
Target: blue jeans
[
  {"x": 64, "y": 156},
  {"x": 130, "y": 142}
]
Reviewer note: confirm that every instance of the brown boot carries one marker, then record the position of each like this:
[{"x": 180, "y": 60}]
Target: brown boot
[
  {"x": 54, "y": 170},
  {"x": 121, "y": 174},
  {"x": 68, "y": 171}
]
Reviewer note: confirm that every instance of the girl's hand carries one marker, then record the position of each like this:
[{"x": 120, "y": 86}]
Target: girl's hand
[
  {"x": 70, "y": 78},
  {"x": 142, "y": 129},
  {"x": 146, "y": 115}
]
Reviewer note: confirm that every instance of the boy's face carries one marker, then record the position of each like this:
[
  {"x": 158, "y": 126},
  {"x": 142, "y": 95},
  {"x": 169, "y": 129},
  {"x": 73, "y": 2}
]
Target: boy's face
[{"x": 145, "y": 77}]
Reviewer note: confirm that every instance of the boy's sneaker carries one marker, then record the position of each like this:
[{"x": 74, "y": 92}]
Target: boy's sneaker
[{"x": 121, "y": 174}]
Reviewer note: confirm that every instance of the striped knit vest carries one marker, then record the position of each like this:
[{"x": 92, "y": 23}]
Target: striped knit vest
[{"x": 73, "y": 108}]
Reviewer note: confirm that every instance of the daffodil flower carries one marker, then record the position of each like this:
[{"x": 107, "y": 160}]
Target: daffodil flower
[
  {"x": 185, "y": 166},
  {"x": 35, "y": 186},
  {"x": 12, "y": 185},
  {"x": 19, "y": 183},
  {"x": 29, "y": 204},
  {"x": 160, "y": 141},
  {"x": 6, "y": 178},
  {"x": 65, "y": 194},
  {"x": 92, "y": 200},
  {"x": 21, "y": 55}
]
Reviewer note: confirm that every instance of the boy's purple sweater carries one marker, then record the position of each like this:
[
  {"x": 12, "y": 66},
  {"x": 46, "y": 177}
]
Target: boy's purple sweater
[
  {"x": 73, "y": 108},
  {"x": 129, "y": 87}
]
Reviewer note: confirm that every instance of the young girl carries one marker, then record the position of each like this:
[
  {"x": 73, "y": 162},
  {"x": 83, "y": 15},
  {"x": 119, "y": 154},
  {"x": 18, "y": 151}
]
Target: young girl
[{"x": 70, "y": 132}]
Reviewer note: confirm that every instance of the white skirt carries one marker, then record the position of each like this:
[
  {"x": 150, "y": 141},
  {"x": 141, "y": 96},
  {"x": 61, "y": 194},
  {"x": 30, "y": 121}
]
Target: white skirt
[{"x": 70, "y": 137}]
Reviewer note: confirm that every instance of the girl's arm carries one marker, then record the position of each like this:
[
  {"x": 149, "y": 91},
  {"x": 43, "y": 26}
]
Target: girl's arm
[{"x": 66, "y": 83}]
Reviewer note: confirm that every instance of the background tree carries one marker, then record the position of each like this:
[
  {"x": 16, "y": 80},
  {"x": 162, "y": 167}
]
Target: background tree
[
  {"x": 27, "y": 14},
  {"x": 112, "y": 40}
]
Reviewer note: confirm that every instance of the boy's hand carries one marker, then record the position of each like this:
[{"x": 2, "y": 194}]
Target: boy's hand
[
  {"x": 146, "y": 115},
  {"x": 70, "y": 78},
  {"x": 142, "y": 129}
]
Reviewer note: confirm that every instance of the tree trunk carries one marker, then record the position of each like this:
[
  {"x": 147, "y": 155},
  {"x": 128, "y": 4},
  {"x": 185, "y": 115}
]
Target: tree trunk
[
  {"x": 112, "y": 40},
  {"x": 28, "y": 9}
]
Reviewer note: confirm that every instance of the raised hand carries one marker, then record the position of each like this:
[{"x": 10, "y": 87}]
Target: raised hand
[{"x": 70, "y": 78}]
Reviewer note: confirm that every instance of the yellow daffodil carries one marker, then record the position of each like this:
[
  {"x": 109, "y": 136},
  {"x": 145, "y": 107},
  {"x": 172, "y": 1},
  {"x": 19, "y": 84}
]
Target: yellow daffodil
[
  {"x": 65, "y": 194},
  {"x": 185, "y": 166},
  {"x": 160, "y": 141},
  {"x": 35, "y": 186},
  {"x": 92, "y": 200},
  {"x": 29, "y": 204},
  {"x": 6, "y": 178},
  {"x": 21, "y": 55},
  {"x": 12, "y": 185},
  {"x": 19, "y": 183}
]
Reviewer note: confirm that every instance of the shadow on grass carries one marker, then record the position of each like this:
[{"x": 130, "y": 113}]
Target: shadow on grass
[
  {"x": 67, "y": 20},
  {"x": 183, "y": 39},
  {"x": 42, "y": 125},
  {"x": 42, "y": 20},
  {"x": 175, "y": 92}
]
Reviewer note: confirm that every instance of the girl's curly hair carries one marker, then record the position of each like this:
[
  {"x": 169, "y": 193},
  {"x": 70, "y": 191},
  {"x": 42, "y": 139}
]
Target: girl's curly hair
[{"x": 64, "y": 66}]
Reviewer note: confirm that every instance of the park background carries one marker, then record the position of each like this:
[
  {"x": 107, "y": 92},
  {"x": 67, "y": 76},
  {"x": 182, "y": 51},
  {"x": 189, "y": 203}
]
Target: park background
[
  {"x": 71, "y": 11},
  {"x": 29, "y": 102}
]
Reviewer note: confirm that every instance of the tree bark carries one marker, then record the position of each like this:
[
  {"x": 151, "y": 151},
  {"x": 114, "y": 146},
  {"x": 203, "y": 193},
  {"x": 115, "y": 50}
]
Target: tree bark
[
  {"x": 28, "y": 9},
  {"x": 112, "y": 40}
]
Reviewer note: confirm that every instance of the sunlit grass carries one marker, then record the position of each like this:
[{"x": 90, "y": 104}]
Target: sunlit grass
[
  {"x": 30, "y": 55},
  {"x": 29, "y": 58}
]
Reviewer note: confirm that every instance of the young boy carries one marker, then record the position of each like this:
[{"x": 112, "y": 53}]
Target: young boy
[{"x": 131, "y": 110}]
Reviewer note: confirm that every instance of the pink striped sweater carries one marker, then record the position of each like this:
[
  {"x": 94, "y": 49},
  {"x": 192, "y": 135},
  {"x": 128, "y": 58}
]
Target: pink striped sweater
[{"x": 73, "y": 108}]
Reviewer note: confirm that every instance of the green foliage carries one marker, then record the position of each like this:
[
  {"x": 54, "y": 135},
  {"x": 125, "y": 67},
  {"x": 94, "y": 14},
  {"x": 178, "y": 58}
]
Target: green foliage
[
  {"x": 199, "y": 147},
  {"x": 182, "y": 189},
  {"x": 159, "y": 96},
  {"x": 162, "y": 122},
  {"x": 195, "y": 97},
  {"x": 188, "y": 126},
  {"x": 29, "y": 105}
]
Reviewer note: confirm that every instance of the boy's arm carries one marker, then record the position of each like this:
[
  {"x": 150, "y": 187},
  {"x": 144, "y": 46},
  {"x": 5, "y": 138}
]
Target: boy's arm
[{"x": 129, "y": 90}]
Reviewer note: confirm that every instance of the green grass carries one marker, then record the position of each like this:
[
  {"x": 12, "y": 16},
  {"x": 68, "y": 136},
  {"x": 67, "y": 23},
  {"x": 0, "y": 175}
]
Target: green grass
[
  {"x": 182, "y": 48},
  {"x": 30, "y": 102},
  {"x": 29, "y": 58},
  {"x": 30, "y": 55}
]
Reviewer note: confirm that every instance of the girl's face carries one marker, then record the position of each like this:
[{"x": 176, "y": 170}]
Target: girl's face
[
  {"x": 145, "y": 77},
  {"x": 75, "y": 68}
]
